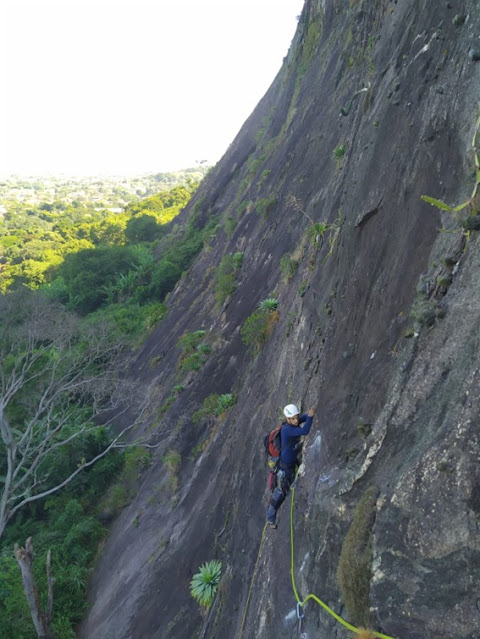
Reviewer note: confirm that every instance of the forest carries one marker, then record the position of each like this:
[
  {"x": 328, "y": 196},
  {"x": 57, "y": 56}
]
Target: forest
[{"x": 80, "y": 286}]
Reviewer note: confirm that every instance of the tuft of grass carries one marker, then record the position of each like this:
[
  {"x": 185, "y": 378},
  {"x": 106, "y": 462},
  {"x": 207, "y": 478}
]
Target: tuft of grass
[
  {"x": 214, "y": 406},
  {"x": 194, "y": 351},
  {"x": 226, "y": 276},
  {"x": 260, "y": 324},
  {"x": 317, "y": 230},
  {"x": 354, "y": 570},
  {"x": 423, "y": 312},
  {"x": 204, "y": 584},
  {"x": 269, "y": 304},
  {"x": 288, "y": 266},
  {"x": 302, "y": 289},
  {"x": 265, "y": 205},
  {"x": 172, "y": 460}
]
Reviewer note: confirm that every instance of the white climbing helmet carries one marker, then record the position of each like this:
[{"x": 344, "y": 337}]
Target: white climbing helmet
[{"x": 291, "y": 410}]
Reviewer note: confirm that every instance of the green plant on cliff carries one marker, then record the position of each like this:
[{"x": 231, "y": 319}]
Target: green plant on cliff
[
  {"x": 338, "y": 154},
  {"x": 288, "y": 266},
  {"x": 472, "y": 200},
  {"x": 214, "y": 406},
  {"x": 265, "y": 205},
  {"x": 172, "y": 460},
  {"x": 354, "y": 571},
  {"x": 260, "y": 324},
  {"x": 226, "y": 276},
  {"x": 269, "y": 304},
  {"x": 310, "y": 43},
  {"x": 316, "y": 231},
  {"x": 194, "y": 351},
  {"x": 204, "y": 584}
]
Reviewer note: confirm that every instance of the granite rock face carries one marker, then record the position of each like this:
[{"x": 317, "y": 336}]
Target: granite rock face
[{"x": 377, "y": 324}]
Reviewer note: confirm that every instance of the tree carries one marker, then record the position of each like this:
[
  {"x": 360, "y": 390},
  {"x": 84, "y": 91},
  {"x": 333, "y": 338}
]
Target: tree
[
  {"x": 88, "y": 274},
  {"x": 142, "y": 228},
  {"x": 41, "y": 620},
  {"x": 59, "y": 383}
]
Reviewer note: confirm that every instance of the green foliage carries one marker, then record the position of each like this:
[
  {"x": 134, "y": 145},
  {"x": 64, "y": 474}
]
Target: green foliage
[
  {"x": 65, "y": 525},
  {"x": 134, "y": 461},
  {"x": 225, "y": 281},
  {"x": 225, "y": 276},
  {"x": 230, "y": 225},
  {"x": 310, "y": 44},
  {"x": 89, "y": 274},
  {"x": 242, "y": 207},
  {"x": 204, "y": 584},
  {"x": 424, "y": 311},
  {"x": 268, "y": 304},
  {"x": 254, "y": 163},
  {"x": 188, "y": 342},
  {"x": 92, "y": 258},
  {"x": 265, "y": 205},
  {"x": 316, "y": 231},
  {"x": 225, "y": 403},
  {"x": 130, "y": 321},
  {"x": 263, "y": 177},
  {"x": 15, "y": 620},
  {"x": 339, "y": 151},
  {"x": 444, "y": 207},
  {"x": 67, "y": 522},
  {"x": 194, "y": 351},
  {"x": 142, "y": 228},
  {"x": 172, "y": 460},
  {"x": 472, "y": 199},
  {"x": 238, "y": 260},
  {"x": 302, "y": 289},
  {"x": 288, "y": 266},
  {"x": 214, "y": 406},
  {"x": 260, "y": 324},
  {"x": 178, "y": 388},
  {"x": 355, "y": 564}
]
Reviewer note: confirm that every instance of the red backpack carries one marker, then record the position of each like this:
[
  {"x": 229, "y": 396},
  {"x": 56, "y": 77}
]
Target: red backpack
[
  {"x": 273, "y": 442},
  {"x": 273, "y": 447}
]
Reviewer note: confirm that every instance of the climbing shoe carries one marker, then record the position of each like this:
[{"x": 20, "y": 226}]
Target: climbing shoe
[{"x": 271, "y": 524}]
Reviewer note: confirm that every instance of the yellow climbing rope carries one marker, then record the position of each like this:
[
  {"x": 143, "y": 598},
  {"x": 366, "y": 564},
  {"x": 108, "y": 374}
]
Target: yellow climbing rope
[
  {"x": 297, "y": 596},
  {"x": 315, "y": 598},
  {"x": 239, "y": 636}
]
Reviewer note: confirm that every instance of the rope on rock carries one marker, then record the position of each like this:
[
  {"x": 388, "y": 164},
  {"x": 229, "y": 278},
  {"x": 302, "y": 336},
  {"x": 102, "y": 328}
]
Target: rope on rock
[
  {"x": 240, "y": 634},
  {"x": 301, "y": 604}
]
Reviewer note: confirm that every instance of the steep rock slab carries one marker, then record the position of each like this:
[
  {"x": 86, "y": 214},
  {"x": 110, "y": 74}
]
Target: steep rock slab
[{"x": 337, "y": 343}]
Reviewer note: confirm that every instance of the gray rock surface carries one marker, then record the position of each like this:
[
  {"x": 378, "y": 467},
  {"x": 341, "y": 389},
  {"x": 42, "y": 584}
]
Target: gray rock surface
[{"x": 397, "y": 417}]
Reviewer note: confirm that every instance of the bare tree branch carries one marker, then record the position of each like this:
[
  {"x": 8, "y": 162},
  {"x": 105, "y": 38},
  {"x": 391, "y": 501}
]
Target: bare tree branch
[
  {"x": 60, "y": 383},
  {"x": 41, "y": 620}
]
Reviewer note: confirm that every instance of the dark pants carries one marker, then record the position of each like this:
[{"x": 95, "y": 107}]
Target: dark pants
[{"x": 285, "y": 478}]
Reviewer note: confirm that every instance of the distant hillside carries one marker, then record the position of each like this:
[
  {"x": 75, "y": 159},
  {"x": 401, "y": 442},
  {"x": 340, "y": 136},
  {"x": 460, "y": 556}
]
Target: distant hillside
[{"x": 103, "y": 191}]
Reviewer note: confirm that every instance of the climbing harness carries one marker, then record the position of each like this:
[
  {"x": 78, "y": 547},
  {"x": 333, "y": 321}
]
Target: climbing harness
[{"x": 301, "y": 604}]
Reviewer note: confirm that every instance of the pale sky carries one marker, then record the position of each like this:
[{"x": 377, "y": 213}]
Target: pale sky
[{"x": 132, "y": 86}]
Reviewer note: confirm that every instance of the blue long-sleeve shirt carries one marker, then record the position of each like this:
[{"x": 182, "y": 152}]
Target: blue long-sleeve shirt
[{"x": 291, "y": 437}]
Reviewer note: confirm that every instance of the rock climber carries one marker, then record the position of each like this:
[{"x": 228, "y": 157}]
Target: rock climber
[{"x": 291, "y": 433}]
